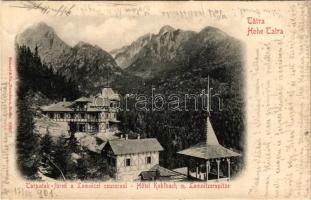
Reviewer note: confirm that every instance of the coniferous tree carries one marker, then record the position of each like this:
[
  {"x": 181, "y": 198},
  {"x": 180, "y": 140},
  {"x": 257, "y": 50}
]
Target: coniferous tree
[
  {"x": 34, "y": 77},
  {"x": 46, "y": 145},
  {"x": 27, "y": 141},
  {"x": 61, "y": 156}
]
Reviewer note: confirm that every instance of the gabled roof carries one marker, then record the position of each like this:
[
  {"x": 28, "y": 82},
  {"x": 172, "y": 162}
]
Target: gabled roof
[
  {"x": 102, "y": 145},
  {"x": 123, "y": 146},
  {"x": 100, "y": 101},
  {"x": 207, "y": 151},
  {"x": 148, "y": 175},
  {"x": 68, "y": 106},
  {"x": 60, "y": 106},
  {"x": 83, "y": 99},
  {"x": 160, "y": 173},
  {"x": 157, "y": 171},
  {"x": 114, "y": 121},
  {"x": 163, "y": 171},
  {"x": 95, "y": 104},
  {"x": 108, "y": 93}
]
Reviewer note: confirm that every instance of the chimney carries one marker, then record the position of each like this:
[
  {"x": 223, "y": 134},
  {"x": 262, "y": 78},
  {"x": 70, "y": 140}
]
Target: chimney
[
  {"x": 121, "y": 136},
  {"x": 64, "y": 99},
  {"x": 126, "y": 136},
  {"x": 138, "y": 136}
]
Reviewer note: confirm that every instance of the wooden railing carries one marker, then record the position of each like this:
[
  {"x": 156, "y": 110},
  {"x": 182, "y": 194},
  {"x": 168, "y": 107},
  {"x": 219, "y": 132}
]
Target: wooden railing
[
  {"x": 86, "y": 119},
  {"x": 77, "y": 120}
]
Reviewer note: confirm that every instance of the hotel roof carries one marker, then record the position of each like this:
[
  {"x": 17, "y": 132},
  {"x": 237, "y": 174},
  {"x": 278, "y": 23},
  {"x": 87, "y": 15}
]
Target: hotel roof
[
  {"x": 83, "y": 99},
  {"x": 108, "y": 93},
  {"x": 60, "y": 106},
  {"x": 93, "y": 103}
]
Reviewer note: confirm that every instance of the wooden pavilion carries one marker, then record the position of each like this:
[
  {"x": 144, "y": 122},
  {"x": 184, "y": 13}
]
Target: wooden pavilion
[{"x": 207, "y": 154}]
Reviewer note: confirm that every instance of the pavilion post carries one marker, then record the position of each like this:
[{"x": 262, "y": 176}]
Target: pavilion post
[
  {"x": 228, "y": 161},
  {"x": 188, "y": 171},
  {"x": 218, "y": 162},
  {"x": 197, "y": 171},
  {"x": 207, "y": 169}
]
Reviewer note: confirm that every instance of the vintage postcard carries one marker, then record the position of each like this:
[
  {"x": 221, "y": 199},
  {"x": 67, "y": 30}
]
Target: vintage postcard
[{"x": 155, "y": 100}]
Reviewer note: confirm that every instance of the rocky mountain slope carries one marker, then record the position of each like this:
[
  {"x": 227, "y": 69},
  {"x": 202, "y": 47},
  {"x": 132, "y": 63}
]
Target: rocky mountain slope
[
  {"x": 51, "y": 48},
  {"x": 154, "y": 54},
  {"x": 89, "y": 66}
]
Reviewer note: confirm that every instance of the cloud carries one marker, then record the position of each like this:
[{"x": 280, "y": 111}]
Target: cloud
[{"x": 109, "y": 34}]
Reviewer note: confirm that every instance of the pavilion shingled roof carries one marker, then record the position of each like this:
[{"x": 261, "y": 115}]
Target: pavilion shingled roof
[{"x": 209, "y": 149}]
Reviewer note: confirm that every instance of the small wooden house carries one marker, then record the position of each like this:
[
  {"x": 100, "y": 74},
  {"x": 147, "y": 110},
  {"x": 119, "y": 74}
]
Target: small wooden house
[{"x": 127, "y": 158}]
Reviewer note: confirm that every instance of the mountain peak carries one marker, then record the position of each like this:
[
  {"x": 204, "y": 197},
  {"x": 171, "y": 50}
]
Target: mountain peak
[
  {"x": 50, "y": 46},
  {"x": 43, "y": 27},
  {"x": 88, "y": 46},
  {"x": 81, "y": 43},
  {"x": 166, "y": 28},
  {"x": 42, "y": 24},
  {"x": 210, "y": 29}
]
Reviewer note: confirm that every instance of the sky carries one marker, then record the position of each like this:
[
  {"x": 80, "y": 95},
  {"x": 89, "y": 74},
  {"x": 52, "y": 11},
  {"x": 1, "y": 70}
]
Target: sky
[{"x": 106, "y": 31}]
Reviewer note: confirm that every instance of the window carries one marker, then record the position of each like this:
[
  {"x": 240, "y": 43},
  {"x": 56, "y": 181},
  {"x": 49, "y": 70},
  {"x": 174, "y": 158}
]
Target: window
[
  {"x": 127, "y": 162},
  {"x": 148, "y": 160},
  {"x": 112, "y": 161}
]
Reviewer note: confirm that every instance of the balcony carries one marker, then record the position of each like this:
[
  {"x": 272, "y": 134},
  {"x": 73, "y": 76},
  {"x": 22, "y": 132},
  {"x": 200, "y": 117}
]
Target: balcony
[{"x": 67, "y": 118}]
